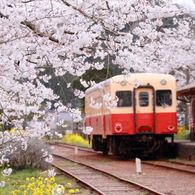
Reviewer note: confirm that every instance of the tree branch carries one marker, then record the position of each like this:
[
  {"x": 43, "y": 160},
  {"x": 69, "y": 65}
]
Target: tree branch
[
  {"x": 27, "y": 1},
  {"x": 3, "y": 16},
  {"x": 32, "y": 27},
  {"x": 107, "y": 5},
  {"x": 95, "y": 20}
]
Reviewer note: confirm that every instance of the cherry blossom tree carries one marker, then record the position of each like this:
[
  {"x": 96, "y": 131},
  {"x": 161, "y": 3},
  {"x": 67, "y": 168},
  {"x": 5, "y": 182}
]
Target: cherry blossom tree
[{"x": 62, "y": 34}]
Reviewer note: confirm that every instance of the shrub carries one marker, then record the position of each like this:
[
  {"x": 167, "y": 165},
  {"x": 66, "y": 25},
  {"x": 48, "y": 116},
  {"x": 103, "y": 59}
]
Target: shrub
[
  {"x": 32, "y": 157},
  {"x": 75, "y": 139},
  {"x": 182, "y": 133}
]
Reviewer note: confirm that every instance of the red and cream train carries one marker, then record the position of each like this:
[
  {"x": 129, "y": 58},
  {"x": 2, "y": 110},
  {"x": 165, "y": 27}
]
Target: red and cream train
[{"x": 145, "y": 114}]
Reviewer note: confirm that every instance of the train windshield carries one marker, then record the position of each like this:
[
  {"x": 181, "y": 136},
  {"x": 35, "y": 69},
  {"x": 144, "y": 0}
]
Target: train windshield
[
  {"x": 125, "y": 98},
  {"x": 163, "y": 98},
  {"x": 143, "y": 99}
]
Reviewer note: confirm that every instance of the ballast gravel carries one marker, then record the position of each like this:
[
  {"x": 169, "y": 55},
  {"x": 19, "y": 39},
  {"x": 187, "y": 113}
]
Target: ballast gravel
[{"x": 166, "y": 181}]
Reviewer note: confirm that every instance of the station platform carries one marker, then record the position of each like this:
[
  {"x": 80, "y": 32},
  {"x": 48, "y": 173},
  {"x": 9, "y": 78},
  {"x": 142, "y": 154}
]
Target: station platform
[{"x": 183, "y": 149}]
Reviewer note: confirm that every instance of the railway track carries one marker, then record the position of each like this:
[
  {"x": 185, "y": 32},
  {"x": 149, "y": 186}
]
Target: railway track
[
  {"x": 159, "y": 175},
  {"x": 169, "y": 164},
  {"x": 99, "y": 181},
  {"x": 72, "y": 146},
  {"x": 174, "y": 165}
]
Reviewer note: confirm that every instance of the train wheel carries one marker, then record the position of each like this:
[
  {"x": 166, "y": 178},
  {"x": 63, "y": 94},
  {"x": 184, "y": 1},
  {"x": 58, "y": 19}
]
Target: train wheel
[
  {"x": 125, "y": 148},
  {"x": 152, "y": 156},
  {"x": 105, "y": 148},
  {"x": 126, "y": 155},
  {"x": 105, "y": 152}
]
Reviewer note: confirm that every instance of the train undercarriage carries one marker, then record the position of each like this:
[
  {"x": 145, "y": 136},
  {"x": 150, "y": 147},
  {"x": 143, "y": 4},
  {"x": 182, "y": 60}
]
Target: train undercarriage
[{"x": 130, "y": 146}]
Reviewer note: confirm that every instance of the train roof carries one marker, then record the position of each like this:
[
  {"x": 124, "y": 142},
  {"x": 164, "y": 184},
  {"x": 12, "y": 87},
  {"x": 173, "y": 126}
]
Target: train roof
[{"x": 143, "y": 78}]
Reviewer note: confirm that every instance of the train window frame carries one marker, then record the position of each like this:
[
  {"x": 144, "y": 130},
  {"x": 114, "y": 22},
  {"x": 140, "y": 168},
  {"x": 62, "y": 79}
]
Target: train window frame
[
  {"x": 142, "y": 100},
  {"x": 164, "y": 98},
  {"x": 124, "y": 100}
]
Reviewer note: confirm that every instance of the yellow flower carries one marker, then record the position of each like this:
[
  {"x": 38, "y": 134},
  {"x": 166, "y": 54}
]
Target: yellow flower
[
  {"x": 22, "y": 186},
  {"x": 11, "y": 130},
  {"x": 40, "y": 186},
  {"x": 53, "y": 179},
  {"x": 25, "y": 192},
  {"x": 76, "y": 190},
  {"x": 71, "y": 191}
]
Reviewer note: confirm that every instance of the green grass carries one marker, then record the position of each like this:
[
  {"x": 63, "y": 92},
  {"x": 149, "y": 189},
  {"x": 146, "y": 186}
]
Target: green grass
[
  {"x": 16, "y": 179},
  {"x": 106, "y": 163}
]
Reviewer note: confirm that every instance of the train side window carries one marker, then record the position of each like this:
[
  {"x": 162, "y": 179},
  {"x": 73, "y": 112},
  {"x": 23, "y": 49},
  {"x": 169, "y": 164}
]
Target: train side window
[
  {"x": 163, "y": 98},
  {"x": 143, "y": 99},
  {"x": 125, "y": 98}
]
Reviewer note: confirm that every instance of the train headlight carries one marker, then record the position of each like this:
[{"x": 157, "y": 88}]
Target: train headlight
[
  {"x": 118, "y": 127},
  {"x": 171, "y": 128},
  {"x": 163, "y": 81}
]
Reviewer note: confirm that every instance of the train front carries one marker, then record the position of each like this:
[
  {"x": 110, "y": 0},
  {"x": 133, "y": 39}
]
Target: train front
[{"x": 145, "y": 115}]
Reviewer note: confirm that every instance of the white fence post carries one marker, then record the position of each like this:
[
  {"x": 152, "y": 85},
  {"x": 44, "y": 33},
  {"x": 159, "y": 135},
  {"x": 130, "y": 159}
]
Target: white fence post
[
  {"x": 76, "y": 150},
  {"x": 138, "y": 165}
]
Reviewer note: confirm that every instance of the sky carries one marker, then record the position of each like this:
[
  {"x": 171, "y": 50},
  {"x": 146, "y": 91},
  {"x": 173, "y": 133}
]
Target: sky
[{"x": 189, "y": 3}]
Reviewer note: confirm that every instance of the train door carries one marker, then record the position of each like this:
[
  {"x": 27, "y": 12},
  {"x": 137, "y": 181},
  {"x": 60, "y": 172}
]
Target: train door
[{"x": 144, "y": 110}]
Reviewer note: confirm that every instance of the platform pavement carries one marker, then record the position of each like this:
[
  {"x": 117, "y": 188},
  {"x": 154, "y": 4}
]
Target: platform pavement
[{"x": 183, "y": 149}]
